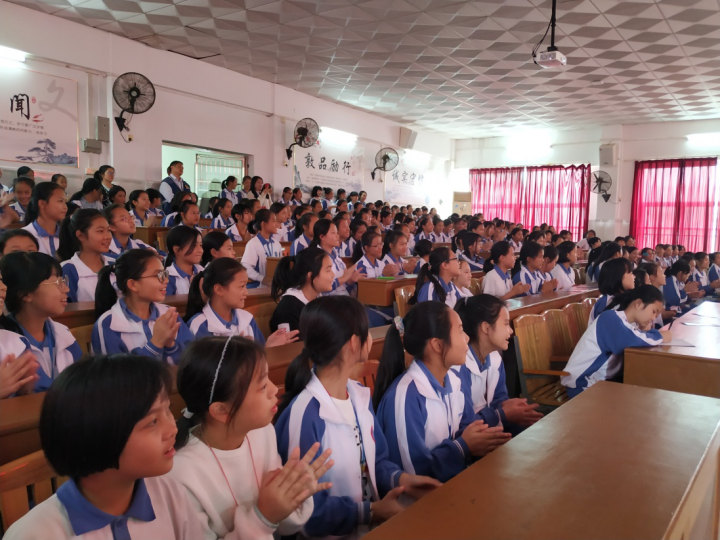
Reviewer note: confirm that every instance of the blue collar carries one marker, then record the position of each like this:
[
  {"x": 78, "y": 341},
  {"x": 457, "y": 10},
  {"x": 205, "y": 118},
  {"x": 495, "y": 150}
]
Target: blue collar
[
  {"x": 43, "y": 232},
  {"x": 447, "y": 287},
  {"x": 566, "y": 270},
  {"x": 48, "y": 341},
  {"x": 85, "y": 517},
  {"x": 122, "y": 249},
  {"x": 138, "y": 215},
  {"x": 439, "y": 389},
  {"x": 228, "y": 325},
  {"x": 481, "y": 366},
  {"x": 182, "y": 272},
  {"x": 393, "y": 259},
  {"x": 154, "y": 312},
  {"x": 307, "y": 240},
  {"x": 502, "y": 274}
]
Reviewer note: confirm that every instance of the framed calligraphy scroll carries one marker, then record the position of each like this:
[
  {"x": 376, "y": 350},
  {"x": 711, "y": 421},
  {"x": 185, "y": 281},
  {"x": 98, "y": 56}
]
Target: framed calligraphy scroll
[
  {"x": 329, "y": 165},
  {"x": 38, "y": 117},
  {"x": 411, "y": 181}
]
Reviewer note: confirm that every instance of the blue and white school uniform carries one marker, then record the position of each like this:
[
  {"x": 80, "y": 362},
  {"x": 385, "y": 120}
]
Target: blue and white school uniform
[
  {"x": 245, "y": 194},
  {"x": 209, "y": 323},
  {"x": 604, "y": 301},
  {"x": 12, "y": 343},
  {"x": 534, "y": 279},
  {"x": 545, "y": 277},
  {"x": 119, "y": 330},
  {"x": 599, "y": 354},
  {"x": 590, "y": 273},
  {"x": 295, "y": 202},
  {"x": 389, "y": 259},
  {"x": 169, "y": 220},
  {"x": 48, "y": 243},
  {"x": 702, "y": 279},
  {"x": 517, "y": 246},
  {"x": 208, "y": 215},
  {"x": 299, "y": 244},
  {"x": 234, "y": 234},
  {"x": 344, "y": 249},
  {"x": 428, "y": 292},
  {"x": 281, "y": 234},
  {"x": 116, "y": 249},
  {"x": 465, "y": 292},
  {"x": 230, "y": 195},
  {"x": 351, "y": 242},
  {"x": 83, "y": 203},
  {"x": 179, "y": 281},
  {"x": 476, "y": 263},
  {"x": 20, "y": 210},
  {"x": 713, "y": 273},
  {"x": 326, "y": 204},
  {"x": 362, "y": 472},
  {"x": 156, "y": 212},
  {"x": 675, "y": 296},
  {"x": 497, "y": 282},
  {"x": 423, "y": 421},
  {"x": 422, "y": 236},
  {"x": 54, "y": 353},
  {"x": 139, "y": 220},
  {"x": 221, "y": 223},
  {"x": 339, "y": 269},
  {"x": 484, "y": 384},
  {"x": 565, "y": 277},
  {"x": 370, "y": 270},
  {"x": 254, "y": 258},
  {"x": 419, "y": 265},
  {"x": 83, "y": 281}
]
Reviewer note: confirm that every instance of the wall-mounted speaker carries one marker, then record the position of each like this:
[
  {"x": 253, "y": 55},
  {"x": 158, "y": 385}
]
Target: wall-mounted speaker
[
  {"x": 608, "y": 155},
  {"x": 407, "y": 138}
]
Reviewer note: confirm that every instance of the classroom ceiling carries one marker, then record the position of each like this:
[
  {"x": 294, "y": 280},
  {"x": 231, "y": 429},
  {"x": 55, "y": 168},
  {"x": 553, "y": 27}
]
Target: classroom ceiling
[{"x": 460, "y": 68}]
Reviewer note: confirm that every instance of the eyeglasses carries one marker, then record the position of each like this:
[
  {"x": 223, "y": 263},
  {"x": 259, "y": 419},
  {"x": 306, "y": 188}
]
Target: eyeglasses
[
  {"x": 376, "y": 246},
  {"x": 62, "y": 282},
  {"x": 124, "y": 218},
  {"x": 161, "y": 276},
  {"x": 453, "y": 259}
]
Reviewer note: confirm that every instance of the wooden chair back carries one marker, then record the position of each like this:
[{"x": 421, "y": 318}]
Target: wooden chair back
[
  {"x": 366, "y": 373},
  {"x": 588, "y": 305},
  {"x": 476, "y": 285},
  {"x": 83, "y": 336},
  {"x": 402, "y": 295},
  {"x": 25, "y": 482},
  {"x": 559, "y": 332},
  {"x": 162, "y": 240},
  {"x": 262, "y": 314},
  {"x": 581, "y": 274},
  {"x": 576, "y": 320}
]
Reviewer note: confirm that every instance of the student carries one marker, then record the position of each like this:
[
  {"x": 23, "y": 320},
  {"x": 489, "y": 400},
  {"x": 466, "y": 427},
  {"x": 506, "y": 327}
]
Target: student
[
  {"x": 139, "y": 207},
  {"x": 107, "y": 426},
  {"x": 84, "y": 238},
  {"x": 422, "y": 251},
  {"x": 303, "y": 233},
  {"x": 641, "y": 277},
  {"x": 155, "y": 198},
  {"x": 368, "y": 257},
  {"x": 242, "y": 215},
  {"x": 122, "y": 226},
  {"x": 262, "y": 246},
  {"x": 37, "y": 293},
  {"x": 550, "y": 258},
  {"x": 60, "y": 180},
  {"x": 281, "y": 215},
  {"x": 676, "y": 289},
  {"x": 631, "y": 253},
  {"x": 188, "y": 216},
  {"x": 660, "y": 255},
  {"x": 46, "y": 210},
  {"x": 616, "y": 277},
  {"x": 516, "y": 239},
  {"x": 714, "y": 270},
  {"x": 174, "y": 207},
  {"x": 229, "y": 186},
  {"x": 316, "y": 194},
  {"x": 90, "y": 196},
  {"x": 584, "y": 244},
  {"x": 211, "y": 204},
  {"x": 699, "y": 274},
  {"x": 262, "y": 192},
  {"x": 426, "y": 230},
  {"x": 18, "y": 366},
  {"x": 297, "y": 195},
  {"x": 497, "y": 280},
  {"x": 216, "y": 245},
  {"x": 246, "y": 192},
  {"x": 173, "y": 184},
  {"x": 23, "y": 189},
  {"x": 429, "y": 424},
  {"x": 395, "y": 247},
  {"x": 357, "y": 229},
  {"x": 470, "y": 253},
  {"x": 563, "y": 271},
  {"x": 658, "y": 280},
  {"x": 434, "y": 281},
  {"x": 327, "y": 202},
  {"x": 106, "y": 176},
  {"x": 464, "y": 280},
  {"x": 137, "y": 322},
  {"x": 322, "y": 405},
  {"x": 486, "y": 321},
  {"x": 298, "y": 280},
  {"x": 599, "y": 354},
  {"x": 227, "y": 451},
  {"x": 527, "y": 269},
  {"x": 117, "y": 195},
  {"x": 224, "y": 285},
  {"x": 611, "y": 250},
  {"x": 185, "y": 252},
  {"x": 326, "y": 237},
  {"x": 343, "y": 227},
  {"x": 17, "y": 240},
  {"x": 221, "y": 214}
]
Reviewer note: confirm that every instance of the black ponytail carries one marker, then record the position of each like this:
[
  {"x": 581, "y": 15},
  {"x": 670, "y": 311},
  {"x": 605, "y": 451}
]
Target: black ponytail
[
  {"x": 366, "y": 240},
  {"x": 130, "y": 265},
  {"x": 327, "y": 323},
  {"x": 302, "y": 223},
  {"x": 321, "y": 228},
  {"x": 80, "y": 220},
  {"x": 646, "y": 293},
  {"x": 227, "y": 181},
  {"x": 195, "y": 302},
  {"x": 292, "y": 272},
  {"x": 42, "y": 192},
  {"x": 261, "y": 216},
  {"x": 500, "y": 249},
  {"x": 391, "y": 238},
  {"x": 475, "y": 310},
  {"x": 529, "y": 250},
  {"x": 214, "y": 240},
  {"x": 678, "y": 266},
  {"x": 219, "y": 272},
  {"x": 431, "y": 272},
  {"x": 422, "y": 248},
  {"x": 219, "y": 205},
  {"x": 425, "y": 321},
  {"x": 468, "y": 240}
]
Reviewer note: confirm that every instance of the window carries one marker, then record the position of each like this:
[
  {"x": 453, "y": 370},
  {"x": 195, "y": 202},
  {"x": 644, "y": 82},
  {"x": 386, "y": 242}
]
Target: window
[{"x": 211, "y": 169}]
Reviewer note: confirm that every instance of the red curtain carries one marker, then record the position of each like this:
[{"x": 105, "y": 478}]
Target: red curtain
[
  {"x": 673, "y": 202},
  {"x": 558, "y": 196},
  {"x": 496, "y": 192}
]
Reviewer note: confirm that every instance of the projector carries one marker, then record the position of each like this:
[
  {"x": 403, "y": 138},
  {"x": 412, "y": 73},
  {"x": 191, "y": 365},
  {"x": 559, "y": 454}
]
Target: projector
[{"x": 551, "y": 59}]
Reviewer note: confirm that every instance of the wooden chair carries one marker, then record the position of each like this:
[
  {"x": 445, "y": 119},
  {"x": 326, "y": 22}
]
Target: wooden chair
[
  {"x": 24, "y": 482},
  {"x": 83, "y": 335},
  {"x": 162, "y": 241},
  {"x": 533, "y": 350},
  {"x": 402, "y": 295},
  {"x": 366, "y": 373},
  {"x": 263, "y": 313},
  {"x": 559, "y": 332},
  {"x": 576, "y": 319},
  {"x": 476, "y": 285},
  {"x": 581, "y": 273},
  {"x": 588, "y": 305}
]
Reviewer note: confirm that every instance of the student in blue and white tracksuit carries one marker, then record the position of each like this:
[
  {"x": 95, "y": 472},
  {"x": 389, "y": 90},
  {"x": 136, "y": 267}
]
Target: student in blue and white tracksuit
[
  {"x": 179, "y": 280},
  {"x": 183, "y": 261},
  {"x": 699, "y": 273},
  {"x": 599, "y": 354},
  {"x": 261, "y": 247},
  {"x": 439, "y": 272},
  {"x": 363, "y": 478},
  {"x": 209, "y": 323},
  {"x": 231, "y": 195},
  {"x": 116, "y": 249},
  {"x": 674, "y": 290},
  {"x": 714, "y": 271},
  {"x": 527, "y": 268},
  {"x": 299, "y": 244},
  {"x": 220, "y": 222},
  {"x": 616, "y": 277},
  {"x": 534, "y": 279},
  {"x": 82, "y": 280}
]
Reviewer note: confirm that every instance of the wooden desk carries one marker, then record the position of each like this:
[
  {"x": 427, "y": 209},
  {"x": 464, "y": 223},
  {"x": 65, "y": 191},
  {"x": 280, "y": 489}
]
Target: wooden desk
[
  {"x": 615, "y": 463},
  {"x": 148, "y": 234},
  {"x": 694, "y": 370},
  {"x": 536, "y": 304},
  {"x": 83, "y": 313},
  {"x": 205, "y": 222},
  {"x": 19, "y": 416},
  {"x": 380, "y": 292}
]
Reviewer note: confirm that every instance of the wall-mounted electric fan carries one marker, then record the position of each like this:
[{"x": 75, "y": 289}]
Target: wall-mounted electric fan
[
  {"x": 602, "y": 182},
  {"x": 134, "y": 94},
  {"x": 385, "y": 160},
  {"x": 305, "y": 135}
]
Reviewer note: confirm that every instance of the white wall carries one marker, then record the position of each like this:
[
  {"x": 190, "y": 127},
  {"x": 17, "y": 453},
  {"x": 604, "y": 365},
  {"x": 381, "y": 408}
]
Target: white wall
[{"x": 197, "y": 104}]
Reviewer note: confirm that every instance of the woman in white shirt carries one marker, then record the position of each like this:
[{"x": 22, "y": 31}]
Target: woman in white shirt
[
  {"x": 563, "y": 271},
  {"x": 497, "y": 280}
]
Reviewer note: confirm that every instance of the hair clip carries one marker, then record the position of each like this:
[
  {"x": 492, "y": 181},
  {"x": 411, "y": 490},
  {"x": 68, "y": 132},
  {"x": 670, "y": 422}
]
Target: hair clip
[
  {"x": 187, "y": 414},
  {"x": 399, "y": 324}
]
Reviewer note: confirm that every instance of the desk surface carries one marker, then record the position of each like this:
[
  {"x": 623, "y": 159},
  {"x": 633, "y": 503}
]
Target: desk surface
[{"x": 612, "y": 463}]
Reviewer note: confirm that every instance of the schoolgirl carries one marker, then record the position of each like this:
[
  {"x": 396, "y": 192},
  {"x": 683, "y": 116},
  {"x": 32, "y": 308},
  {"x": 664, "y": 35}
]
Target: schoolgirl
[
  {"x": 316, "y": 194},
  {"x": 699, "y": 273},
  {"x": 229, "y": 187},
  {"x": 262, "y": 246},
  {"x": 615, "y": 278},
  {"x": 422, "y": 250},
  {"x": 122, "y": 226},
  {"x": 486, "y": 321},
  {"x": 139, "y": 206},
  {"x": 395, "y": 247},
  {"x": 303, "y": 233},
  {"x": 47, "y": 208},
  {"x": 117, "y": 195},
  {"x": 676, "y": 289},
  {"x": 426, "y": 230},
  {"x": 357, "y": 229},
  {"x": 224, "y": 284},
  {"x": 611, "y": 250},
  {"x": 155, "y": 198},
  {"x": 341, "y": 221},
  {"x": 90, "y": 196},
  {"x": 216, "y": 245},
  {"x": 434, "y": 280},
  {"x": 471, "y": 251},
  {"x": 185, "y": 252},
  {"x": 598, "y": 355},
  {"x": 429, "y": 423},
  {"x": 550, "y": 258},
  {"x": 23, "y": 189},
  {"x": 714, "y": 271},
  {"x": 368, "y": 257},
  {"x": 221, "y": 214},
  {"x": 188, "y": 216},
  {"x": 516, "y": 239},
  {"x": 246, "y": 191},
  {"x": 464, "y": 280},
  {"x": 137, "y": 322},
  {"x": 242, "y": 215},
  {"x": 497, "y": 280},
  {"x": 527, "y": 268},
  {"x": 296, "y": 197},
  {"x": 106, "y": 425},
  {"x": 328, "y": 203},
  {"x": 84, "y": 238},
  {"x": 563, "y": 271},
  {"x": 17, "y": 240},
  {"x": 211, "y": 204},
  {"x": 322, "y": 405},
  {"x": 177, "y": 200},
  {"x": 326, "y": 237}
]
